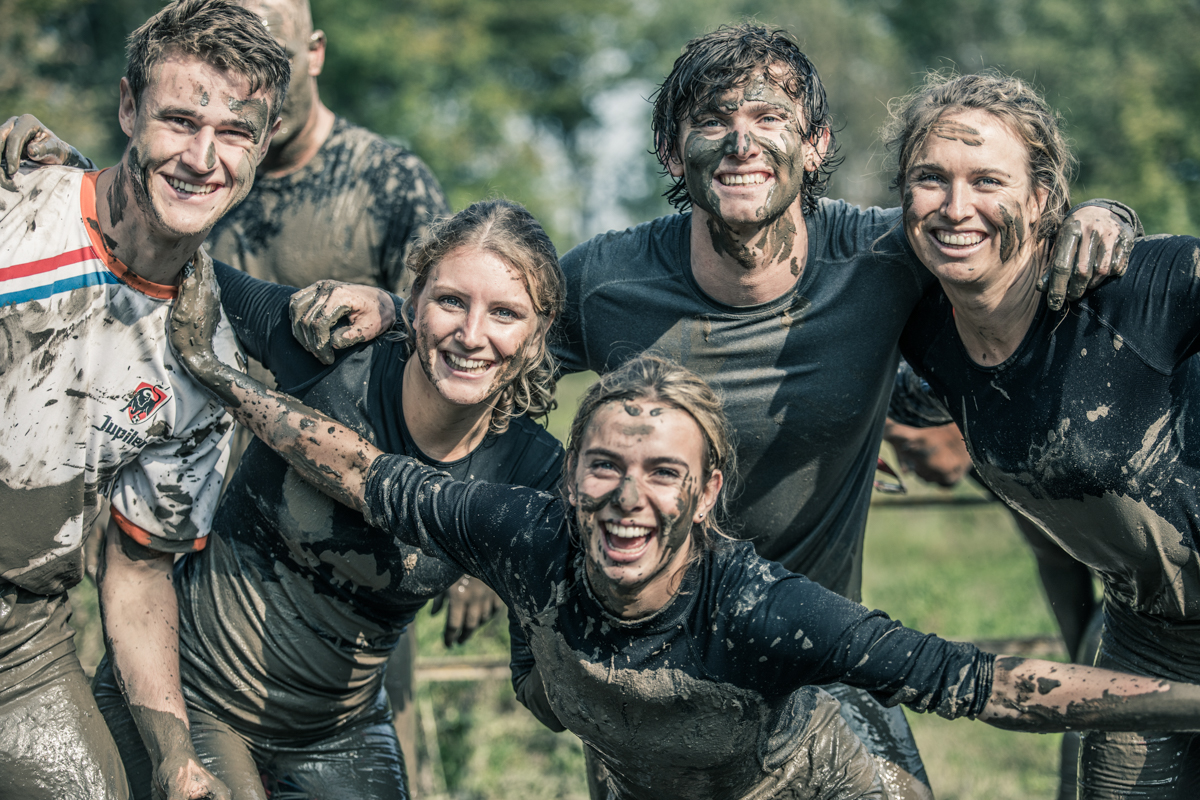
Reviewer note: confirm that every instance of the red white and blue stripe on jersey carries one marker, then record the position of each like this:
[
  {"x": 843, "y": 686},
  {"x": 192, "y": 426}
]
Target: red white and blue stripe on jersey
[{"x": 46, "y": 277}]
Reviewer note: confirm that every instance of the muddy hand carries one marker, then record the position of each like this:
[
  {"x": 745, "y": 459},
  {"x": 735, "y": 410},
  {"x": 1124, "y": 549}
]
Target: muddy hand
[
  {"x": 193, "y": 322},
  {"x": 1091, "y": 247},
  {"x": 317, "y": 311},
  {"x": 469, "y": 604},
  {"x": 26, "y": 137},
  {"x": 183, "y": 778}
]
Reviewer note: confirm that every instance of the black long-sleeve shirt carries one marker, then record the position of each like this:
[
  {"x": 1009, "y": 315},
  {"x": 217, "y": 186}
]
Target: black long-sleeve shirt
[{"x": 710, "y": 696}]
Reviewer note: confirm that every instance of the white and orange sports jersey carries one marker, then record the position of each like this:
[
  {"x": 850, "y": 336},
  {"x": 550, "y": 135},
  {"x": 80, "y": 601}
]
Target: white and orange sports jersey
[{"x": 95, "y": 403}]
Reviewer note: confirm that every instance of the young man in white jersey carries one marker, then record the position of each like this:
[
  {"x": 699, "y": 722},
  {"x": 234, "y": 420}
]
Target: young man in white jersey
[{"x": 95, "y": 406}]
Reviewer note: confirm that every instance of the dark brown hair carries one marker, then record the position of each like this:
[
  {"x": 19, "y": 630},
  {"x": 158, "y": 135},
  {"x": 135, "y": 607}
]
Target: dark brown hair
[
  {"x": 652, "y": 377},
  {"x": 726, "y": 59},
  {"x": 1012, "y": 101},
  {"x": 509, "y": 232},
  {"x": 218, "y": 31}
]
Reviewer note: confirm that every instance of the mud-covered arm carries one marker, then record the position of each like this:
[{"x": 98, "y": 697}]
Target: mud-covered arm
[
  {"x": 913, "y": 403},
  {"x": 26, "y": 137},
  {"x": 1046, "y": 697},
  {"x": 324, "y": 452},
  {"x": 141, "y": 620},
  {"x": 1093, "y": 245}
]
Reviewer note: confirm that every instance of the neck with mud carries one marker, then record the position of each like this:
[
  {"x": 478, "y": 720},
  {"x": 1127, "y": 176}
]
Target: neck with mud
[
  {"x": 750, "y": 265},
  {"x": 295, "y": 153},
  {"x": 128, "y": 235},
  {"x": 634, "y": 603},
  {"x": 443, "y": 430},
  {"x": 992, "y": 317}
]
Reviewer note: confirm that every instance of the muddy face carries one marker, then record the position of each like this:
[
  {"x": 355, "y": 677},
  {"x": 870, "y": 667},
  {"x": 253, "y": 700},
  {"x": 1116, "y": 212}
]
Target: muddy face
[
  {"x": 196, "y": 136},
  {"x": 744, "y": 159},
  {"x": 969, "y": 202},
  {"x": 638, "y": 489},
  {"x": 474, "y": 326},
  {"x": 291, "y": 28}
]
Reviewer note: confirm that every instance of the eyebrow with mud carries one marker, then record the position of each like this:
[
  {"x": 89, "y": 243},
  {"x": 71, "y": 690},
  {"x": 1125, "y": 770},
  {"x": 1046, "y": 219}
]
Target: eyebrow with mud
[
  {"x": 936, "y": 167},
  {"x": 615, "y": 456}
]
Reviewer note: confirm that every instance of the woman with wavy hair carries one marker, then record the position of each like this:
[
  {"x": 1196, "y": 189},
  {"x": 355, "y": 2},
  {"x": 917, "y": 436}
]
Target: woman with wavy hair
[
  {"x": 688, "y": 664},
  {"x": 1085, "y": 421},
  {"x": 288, "y": 617}
]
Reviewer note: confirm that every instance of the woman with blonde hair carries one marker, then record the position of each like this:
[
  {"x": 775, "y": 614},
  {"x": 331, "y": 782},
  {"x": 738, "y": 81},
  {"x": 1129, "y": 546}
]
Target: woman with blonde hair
[{"x": 1082, "y": 420}]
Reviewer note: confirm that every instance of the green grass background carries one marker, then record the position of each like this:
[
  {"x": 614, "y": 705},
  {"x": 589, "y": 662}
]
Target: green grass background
[{"x": 963, "y": 573}]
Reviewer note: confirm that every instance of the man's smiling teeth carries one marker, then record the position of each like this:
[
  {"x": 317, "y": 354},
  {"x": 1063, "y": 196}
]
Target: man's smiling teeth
[
  {"x": 191, "y": 188},
  {"x": 748, "y": 179},
  {"x": 959, "y": 239},
  {"x": 467, "y": 364}
]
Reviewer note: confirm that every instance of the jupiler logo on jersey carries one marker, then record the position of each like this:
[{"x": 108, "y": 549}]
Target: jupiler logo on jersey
[{"x": 147, "y": 399}]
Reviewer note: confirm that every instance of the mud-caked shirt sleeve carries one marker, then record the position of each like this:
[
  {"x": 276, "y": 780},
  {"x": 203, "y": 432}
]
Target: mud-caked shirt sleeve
[
  {"x": 793, "y": 632},
  {"x": 510, "y": 537},
  {"x": 258, "y": 313}
]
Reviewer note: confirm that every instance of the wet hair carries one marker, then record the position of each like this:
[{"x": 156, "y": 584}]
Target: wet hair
[
  {"x": 728, "y": 58},
  {"x": 220, "y": 32},
  {"x": 653, "y": 377},
  {"x": 1012, "y": 101},
  {"x": 509, "y": 232}
]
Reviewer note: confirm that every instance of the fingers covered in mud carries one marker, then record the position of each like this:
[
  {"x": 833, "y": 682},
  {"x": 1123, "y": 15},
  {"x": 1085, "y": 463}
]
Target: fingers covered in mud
[
  {"x": 1093, "y": 246},
  {"x": 1062, "y": 259},
  {"x": 193, "y": 323},
  {"x": 25, "y": 137},
  {"x": 331, "y": 315}
]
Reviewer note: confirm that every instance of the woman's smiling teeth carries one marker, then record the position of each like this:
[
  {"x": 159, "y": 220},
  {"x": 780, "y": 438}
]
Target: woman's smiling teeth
[
  {"x": 191, "y": 188},
  {"x": 467, "y": 364},
  {"x": 627, "y": 537},
  {"x": 738, "y": 179},
  {"x": 959, "y": 239}
]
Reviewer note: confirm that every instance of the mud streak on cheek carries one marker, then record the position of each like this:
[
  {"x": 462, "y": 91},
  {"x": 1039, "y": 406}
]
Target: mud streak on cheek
[
  {"x": 1012, "y": 235},
  {"x": 210, "y": 158}
]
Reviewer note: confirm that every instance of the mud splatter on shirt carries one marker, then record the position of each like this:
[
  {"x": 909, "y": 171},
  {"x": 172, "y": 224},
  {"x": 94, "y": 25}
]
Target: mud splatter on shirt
[
  {"x": 351, "y": 213},
  {"x": 1096, "y": 448},
  {"x": 805, "y": 378},
  {"x": 669, "y": 707},
  {"x": 95, "y": 406},
  {"x": 288, "y": 617}
]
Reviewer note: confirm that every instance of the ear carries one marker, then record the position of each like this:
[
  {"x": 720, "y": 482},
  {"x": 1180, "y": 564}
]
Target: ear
[
  {"x": 127, "y": 110},
  {"x": 815, "y": 149},
  {"x": 316, "y": 53},
  {"x": 708, "y": 498},
  {"x": 673, "y": 163}
]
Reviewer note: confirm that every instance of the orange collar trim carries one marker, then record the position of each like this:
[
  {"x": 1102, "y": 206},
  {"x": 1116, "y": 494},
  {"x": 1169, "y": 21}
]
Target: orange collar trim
[{"x": 91, "y": 219}]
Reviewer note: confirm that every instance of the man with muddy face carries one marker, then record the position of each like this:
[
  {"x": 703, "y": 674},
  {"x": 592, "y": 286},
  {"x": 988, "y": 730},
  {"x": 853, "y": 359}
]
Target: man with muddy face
[{"x": 97, "y": 406}]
